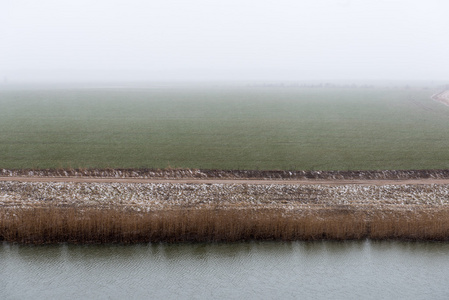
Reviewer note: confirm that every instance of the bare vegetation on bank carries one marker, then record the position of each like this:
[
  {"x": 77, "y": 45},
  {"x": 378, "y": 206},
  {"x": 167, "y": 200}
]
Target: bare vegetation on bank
[{"x": 137, "y": 212}]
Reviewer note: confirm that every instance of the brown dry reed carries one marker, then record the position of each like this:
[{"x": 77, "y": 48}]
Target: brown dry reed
[{"x": 51, "y": 224}]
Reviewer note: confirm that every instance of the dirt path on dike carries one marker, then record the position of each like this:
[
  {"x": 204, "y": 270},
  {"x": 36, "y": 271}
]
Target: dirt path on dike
[
  {"x": 378, "y": 182},
  {"x": 442, "y": 97}
]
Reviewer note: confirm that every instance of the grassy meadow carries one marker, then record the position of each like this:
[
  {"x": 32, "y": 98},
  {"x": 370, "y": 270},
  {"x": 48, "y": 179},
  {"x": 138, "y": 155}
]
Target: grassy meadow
[{"x": 224, "y": 128}]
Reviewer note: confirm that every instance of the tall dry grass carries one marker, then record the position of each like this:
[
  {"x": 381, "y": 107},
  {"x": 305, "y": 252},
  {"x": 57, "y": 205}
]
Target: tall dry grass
[{"x": 90, "y": 225}]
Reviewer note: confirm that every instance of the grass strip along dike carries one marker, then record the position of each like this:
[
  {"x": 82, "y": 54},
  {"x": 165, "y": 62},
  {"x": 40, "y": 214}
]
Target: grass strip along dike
[{"x": 75, "y": 206}]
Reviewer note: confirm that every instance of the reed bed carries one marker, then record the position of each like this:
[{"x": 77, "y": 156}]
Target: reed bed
[
  {"x": 55, "y": 225},
  {"x": 45, "y": 212}
]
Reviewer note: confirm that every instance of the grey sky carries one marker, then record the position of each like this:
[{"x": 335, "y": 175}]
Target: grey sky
[{"x": 233, "y": 39}]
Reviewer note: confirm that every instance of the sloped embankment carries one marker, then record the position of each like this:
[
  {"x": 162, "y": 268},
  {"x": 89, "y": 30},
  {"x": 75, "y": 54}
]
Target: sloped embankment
[{"x": 46, "y": 212}]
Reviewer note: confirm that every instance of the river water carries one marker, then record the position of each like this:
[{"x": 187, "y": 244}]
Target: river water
[{"x": 255, "y": 270}]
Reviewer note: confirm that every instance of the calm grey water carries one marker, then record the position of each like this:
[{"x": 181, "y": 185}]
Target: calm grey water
[{"x": 297, "y": 270}]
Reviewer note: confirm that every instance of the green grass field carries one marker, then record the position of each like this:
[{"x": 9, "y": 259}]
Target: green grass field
[{"x": 224, "y": 128}]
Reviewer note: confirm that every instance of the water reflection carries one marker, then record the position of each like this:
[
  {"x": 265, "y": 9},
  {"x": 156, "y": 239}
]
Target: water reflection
[{"x": 311, "y": 270}]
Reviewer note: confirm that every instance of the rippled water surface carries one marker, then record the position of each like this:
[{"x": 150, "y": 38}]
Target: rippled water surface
[{"x": 305, "y": 270}]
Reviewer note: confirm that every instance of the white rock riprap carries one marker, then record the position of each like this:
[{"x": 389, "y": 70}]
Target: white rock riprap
[{"x": 163, "y": 196}]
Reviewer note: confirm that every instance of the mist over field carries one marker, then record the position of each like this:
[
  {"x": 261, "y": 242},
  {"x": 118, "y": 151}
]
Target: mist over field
[
  {"x": 382, "y": 61},
  {"x": 209, "y": 40}
]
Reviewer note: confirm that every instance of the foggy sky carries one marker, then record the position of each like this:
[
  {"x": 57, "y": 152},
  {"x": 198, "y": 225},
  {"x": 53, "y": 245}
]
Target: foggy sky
[{"x": 223, "y": 40}]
